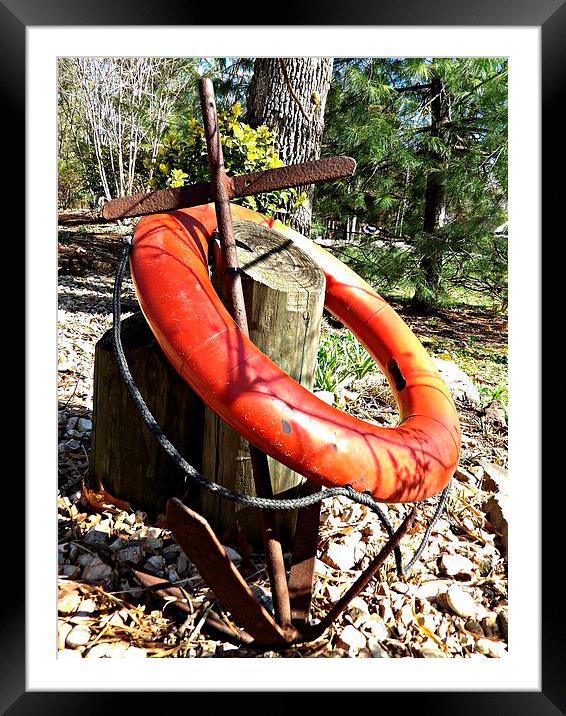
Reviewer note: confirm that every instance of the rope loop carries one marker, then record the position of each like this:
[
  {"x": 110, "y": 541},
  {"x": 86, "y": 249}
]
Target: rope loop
[{"x": 262, "y": 503}]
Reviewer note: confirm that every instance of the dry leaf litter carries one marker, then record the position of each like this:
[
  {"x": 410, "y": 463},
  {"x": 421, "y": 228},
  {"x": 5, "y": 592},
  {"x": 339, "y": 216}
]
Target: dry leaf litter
[{"x": 452, "y": 604}]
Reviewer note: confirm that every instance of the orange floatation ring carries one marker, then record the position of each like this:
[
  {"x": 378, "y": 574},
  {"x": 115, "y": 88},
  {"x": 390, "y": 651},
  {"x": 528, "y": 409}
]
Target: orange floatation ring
[{"x": 406, "y": 463}]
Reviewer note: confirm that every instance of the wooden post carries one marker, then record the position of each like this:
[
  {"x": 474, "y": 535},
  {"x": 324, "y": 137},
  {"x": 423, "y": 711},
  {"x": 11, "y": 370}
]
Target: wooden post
[
  {"x": 126, "y": 459},
  {"x": 284, "y": 296}
]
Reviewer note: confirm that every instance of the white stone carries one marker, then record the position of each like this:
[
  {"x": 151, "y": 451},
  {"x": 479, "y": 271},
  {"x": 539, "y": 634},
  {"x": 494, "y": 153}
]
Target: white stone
[
  {"x": 97, "y": 571},
  {"x": 376, "y": 650},
  {"x": 99, "y": 651},
  {"x": 495, "y": 649},
  {"x": 69, "y": 654},
  {"x": 453, "y": 564},
  {"x": 431, "y": 651},
  {"x": 341, "y": 556},
  {"x": 155, "y": 563},
  {"x": 72, "y": 571},
  {"x": 358, "y": 610},
  {"x": 348, "y": 396},
  {"x": 87, "y": 558},
  {"x": 84, "y": 425},
  {"x": 132, "y": 553},
  {"x": 326, "y": 396},
  {"x": 460, "y": 384},
  {"x": 115, "y": 619},
  {"x": 63, "y": 629},
  {"x": 78, "y": 636},
  {"x": 84, "y": 612},
  {"x": 430, "y": 590},
  {"x": 352, "y": 639},
  {"x": 96, "y": 536},
  {"x": 377, "y": 627},
  {"x": 152, "y": 533},
  {"x": 68, "y": 603},
  {"x": 360, "y": 604},
  {"x": 461, "y": 602},
  {"x": 401, "y": 587},
  {"x": 172, "y": 576}
]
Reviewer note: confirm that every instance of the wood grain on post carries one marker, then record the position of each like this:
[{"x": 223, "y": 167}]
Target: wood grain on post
[
  {"x": 126, "y": 459},
  {"x": 284, "y": 296}
]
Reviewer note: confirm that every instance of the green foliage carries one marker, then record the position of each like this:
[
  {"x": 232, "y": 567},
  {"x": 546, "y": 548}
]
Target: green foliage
[
  {"x": 341, "y": 359},
  {"x": 72, "y": 189},
  {"x": 379, "y": 111},
  {"x": 499, "y": 392},
  {"x": 182, "y": 159}
]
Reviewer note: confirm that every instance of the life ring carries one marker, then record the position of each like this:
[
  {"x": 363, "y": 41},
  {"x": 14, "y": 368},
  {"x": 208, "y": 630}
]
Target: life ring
[{"x": 406, "y": 463}]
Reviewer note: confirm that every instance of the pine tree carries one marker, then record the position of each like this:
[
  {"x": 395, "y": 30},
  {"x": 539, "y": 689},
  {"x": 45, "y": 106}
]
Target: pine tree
[{"x": 430, "y": 138}]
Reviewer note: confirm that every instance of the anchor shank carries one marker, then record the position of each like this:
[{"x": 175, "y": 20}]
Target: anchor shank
[{"x": 221, "y": 186}]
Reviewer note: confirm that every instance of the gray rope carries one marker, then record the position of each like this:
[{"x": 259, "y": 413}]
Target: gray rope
[{"x": 249, "y": 500}]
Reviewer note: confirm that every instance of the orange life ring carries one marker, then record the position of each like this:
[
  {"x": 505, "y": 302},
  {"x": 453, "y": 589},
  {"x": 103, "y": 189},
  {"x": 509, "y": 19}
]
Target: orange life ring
[{"x": 409, "y": 462}]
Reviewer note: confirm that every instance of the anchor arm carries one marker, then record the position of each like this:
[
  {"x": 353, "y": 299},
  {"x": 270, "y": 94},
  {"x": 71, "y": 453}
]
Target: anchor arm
[{"x": 155, "y": 202}]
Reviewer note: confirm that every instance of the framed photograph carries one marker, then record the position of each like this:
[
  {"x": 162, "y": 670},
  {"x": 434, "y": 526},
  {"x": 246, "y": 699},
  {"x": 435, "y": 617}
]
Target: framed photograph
[{"x": 528, "y": 679}]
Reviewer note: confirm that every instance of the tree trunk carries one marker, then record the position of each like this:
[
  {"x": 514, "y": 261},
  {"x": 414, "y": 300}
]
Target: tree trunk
[
  {"x": 425, "y": 299},
  {"x": 289, "y": 96},
  {"x": 284, "y": 296}
]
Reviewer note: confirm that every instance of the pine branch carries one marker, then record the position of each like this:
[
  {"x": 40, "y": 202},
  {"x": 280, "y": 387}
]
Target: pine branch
[{"x": 413, "y": 88}]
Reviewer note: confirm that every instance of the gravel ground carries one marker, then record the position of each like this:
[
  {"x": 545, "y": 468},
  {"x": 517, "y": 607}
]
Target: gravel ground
[{"x": 452, "y": 604}]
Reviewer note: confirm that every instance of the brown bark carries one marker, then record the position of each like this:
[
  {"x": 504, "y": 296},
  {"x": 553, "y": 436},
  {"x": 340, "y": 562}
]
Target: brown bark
[
  {"x": 425, "y": 299},
  {"x": 289, "y": 96}
]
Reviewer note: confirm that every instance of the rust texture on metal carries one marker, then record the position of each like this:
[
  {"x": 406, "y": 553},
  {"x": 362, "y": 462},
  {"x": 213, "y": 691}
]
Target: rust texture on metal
[
  {"x": 274, "y": 559},
  {"x": 198, "y": 541},
  {"x": 301, "y": 577},
  {"x": 260, "y": 468},
  {"x": 293, "y": 175},
  {"x": 222, "y": 204},
  {"x": 213, "y": 624},
  {"x": 291, "y": 599},
  {"x": 203, "y": 548},
  {"x": 313, "y": 632},
  {"x": 155, "y": 202}
]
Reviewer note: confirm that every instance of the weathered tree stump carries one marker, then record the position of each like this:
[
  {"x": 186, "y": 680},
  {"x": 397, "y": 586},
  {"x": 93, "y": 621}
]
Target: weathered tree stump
[
  {"x": 284, "y": 296},
  {"x": 126, "y": 459}
]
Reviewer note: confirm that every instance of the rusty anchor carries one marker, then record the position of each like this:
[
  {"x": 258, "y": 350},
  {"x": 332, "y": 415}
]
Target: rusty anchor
[{"x": 291, "y": 597}]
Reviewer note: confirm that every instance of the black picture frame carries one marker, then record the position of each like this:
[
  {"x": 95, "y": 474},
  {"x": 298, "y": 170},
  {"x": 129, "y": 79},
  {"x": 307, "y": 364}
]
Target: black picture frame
[{"x": 550, "y": 16}]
